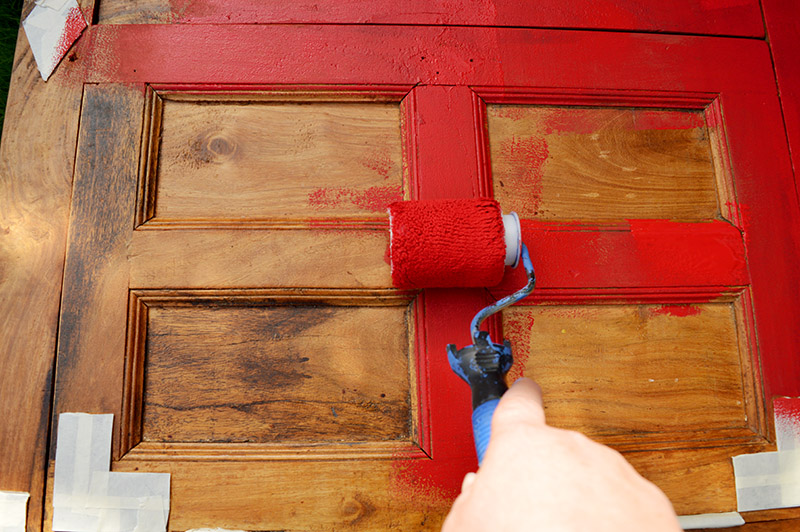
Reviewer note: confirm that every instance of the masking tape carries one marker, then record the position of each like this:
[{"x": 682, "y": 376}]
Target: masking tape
[
  {"x": 87, "y": 497},
  {"x": 765, "y": 481},
  {"x": 13, "y": 510},
  {"x": 718, "y": 520}
]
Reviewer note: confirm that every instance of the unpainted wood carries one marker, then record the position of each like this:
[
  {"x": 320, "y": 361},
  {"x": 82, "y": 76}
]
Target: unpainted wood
[
  {"x": 636, "y": 373},
  {"x": 277, "y": 160},
  {"x": 300, "y": 495},
  {"x": 305, "y": 373},
  {"x": 256, "y": 258},
  {"x": 36, "y": 166},
  {"x": 93, "y": 319},
  {"x": 695, "y": 480},
  {"x": 601, "y": 164}
]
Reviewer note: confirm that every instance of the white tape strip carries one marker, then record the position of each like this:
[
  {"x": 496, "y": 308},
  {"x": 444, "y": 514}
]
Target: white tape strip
[
  {"x": 87, "y": 497},
  {"x": 720, "y": 520},
  {"x": 772, "y": 480},
  {"x": 767, "y": 480},
  {"x": 13, "y": 510}
]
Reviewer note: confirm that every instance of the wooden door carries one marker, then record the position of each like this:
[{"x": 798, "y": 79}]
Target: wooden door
[{"x": 226, "y": 292}]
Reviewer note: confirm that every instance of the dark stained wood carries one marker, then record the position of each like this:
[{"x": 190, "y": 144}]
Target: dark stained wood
[
  {"x": 92, "y": 328},
  {"x": 601, "y": 164},
  {"x": 299, "y": 373}
]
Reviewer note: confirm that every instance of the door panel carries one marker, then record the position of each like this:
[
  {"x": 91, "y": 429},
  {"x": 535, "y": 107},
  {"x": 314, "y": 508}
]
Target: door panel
[
  {"x": 211, "y": 160},
  {"x": 601, "y": 164},
  {"x": 227, "y": 294}
]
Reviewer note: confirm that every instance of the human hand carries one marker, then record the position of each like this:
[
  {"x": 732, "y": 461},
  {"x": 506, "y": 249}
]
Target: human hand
[{"x": 536, "y": 477}]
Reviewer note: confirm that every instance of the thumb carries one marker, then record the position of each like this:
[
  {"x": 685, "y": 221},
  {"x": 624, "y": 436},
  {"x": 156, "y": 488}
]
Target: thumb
[{"x": 521, "y": 404}]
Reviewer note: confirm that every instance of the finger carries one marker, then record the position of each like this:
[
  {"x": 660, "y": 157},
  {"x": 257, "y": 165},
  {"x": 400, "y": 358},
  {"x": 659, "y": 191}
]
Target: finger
[
  {"x": 522, "y": 403},
  {"x": 469, "y": 478}
]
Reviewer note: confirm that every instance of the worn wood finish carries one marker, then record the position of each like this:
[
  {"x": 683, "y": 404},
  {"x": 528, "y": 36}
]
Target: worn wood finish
[
  {"x": 556, "y": 163},
  {"x": 247, "y": 372},
  {"x": 718, "y": 17},
  {"x": 670, "y": 373},
  {"x": 286, "y": 258},
  {"x": 36, "y": 165},
  {"x": 246, "y": 160},
  {"x": 694, "y": 482}
]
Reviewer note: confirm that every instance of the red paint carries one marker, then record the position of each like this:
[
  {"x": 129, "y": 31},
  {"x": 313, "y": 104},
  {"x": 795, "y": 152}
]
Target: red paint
[
  {"x": 677, "y": 311},
  {"x": 660, "y": 254},
  {"x": 518, "y": 330},
  {"x": 588, "y": 121},
  {"x": 380, "y": 163},
  {"x": 73, "y": 27},
  {"x": 483, "y": 57},
  {"x": 443, "y": 159},
  {"x": 446, "y": 243},
  {"x": 716, "y": 17},
  {"x": 373, "y": 199}
]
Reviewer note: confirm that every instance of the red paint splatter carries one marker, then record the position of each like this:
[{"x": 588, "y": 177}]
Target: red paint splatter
[
  {"x": 517, "y": 328},
  {"x": 529, "y": 155},
  {"x": 380, "y": 163},
  {"x": 73, "y": 26},
  {"x": 373, "y": 199},
  {"x": 678, "y": 311},
  {"x": 588, "y": 121},
  {"x": 511, "y": 112}
]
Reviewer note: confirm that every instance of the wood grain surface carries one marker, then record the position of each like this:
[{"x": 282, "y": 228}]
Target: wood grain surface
[
  {"x": 244, "y": 160},
  {"x": 601, "y": 164},
  {"x": 300, "y": 373},
  {"x": 659, "y": 373},
  {"x": 36, "y": 166}
]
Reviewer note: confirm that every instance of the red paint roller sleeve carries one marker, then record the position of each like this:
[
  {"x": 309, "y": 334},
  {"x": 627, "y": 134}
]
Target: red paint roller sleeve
[{"x": 446, "y": 243}]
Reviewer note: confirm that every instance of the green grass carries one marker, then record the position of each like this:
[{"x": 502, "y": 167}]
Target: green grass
[{"x": 10, "y": 11}]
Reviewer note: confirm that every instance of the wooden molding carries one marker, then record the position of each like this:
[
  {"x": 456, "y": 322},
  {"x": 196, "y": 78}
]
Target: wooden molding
[
  {"x": 132, "y": 446},
  {"x": 157, "y": 95},
  {"x": 594, "y": 97}
]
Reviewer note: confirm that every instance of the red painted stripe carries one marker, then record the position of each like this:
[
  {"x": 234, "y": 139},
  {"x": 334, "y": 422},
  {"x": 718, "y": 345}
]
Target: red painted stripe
[
  {"x": 187, "y": 53},
  {"x": 641, "y": 253},
  {"x": 715, "y": 17}
]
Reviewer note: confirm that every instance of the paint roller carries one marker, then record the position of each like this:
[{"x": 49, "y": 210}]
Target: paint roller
[{"x": 463, "y": 243}]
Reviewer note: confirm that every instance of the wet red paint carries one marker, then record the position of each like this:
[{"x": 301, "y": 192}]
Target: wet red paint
[
  {"x": 373, "y": 199},
  {"x": 530, "y": 155},
  {"x": 678, "y": 311},
  {"x": 74, "y": 25},
  {"x": 637, "y": 253}
]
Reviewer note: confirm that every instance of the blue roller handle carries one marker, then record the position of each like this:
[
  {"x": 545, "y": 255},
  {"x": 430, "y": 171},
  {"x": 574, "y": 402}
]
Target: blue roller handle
[{"x": 482, "y": 426}]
